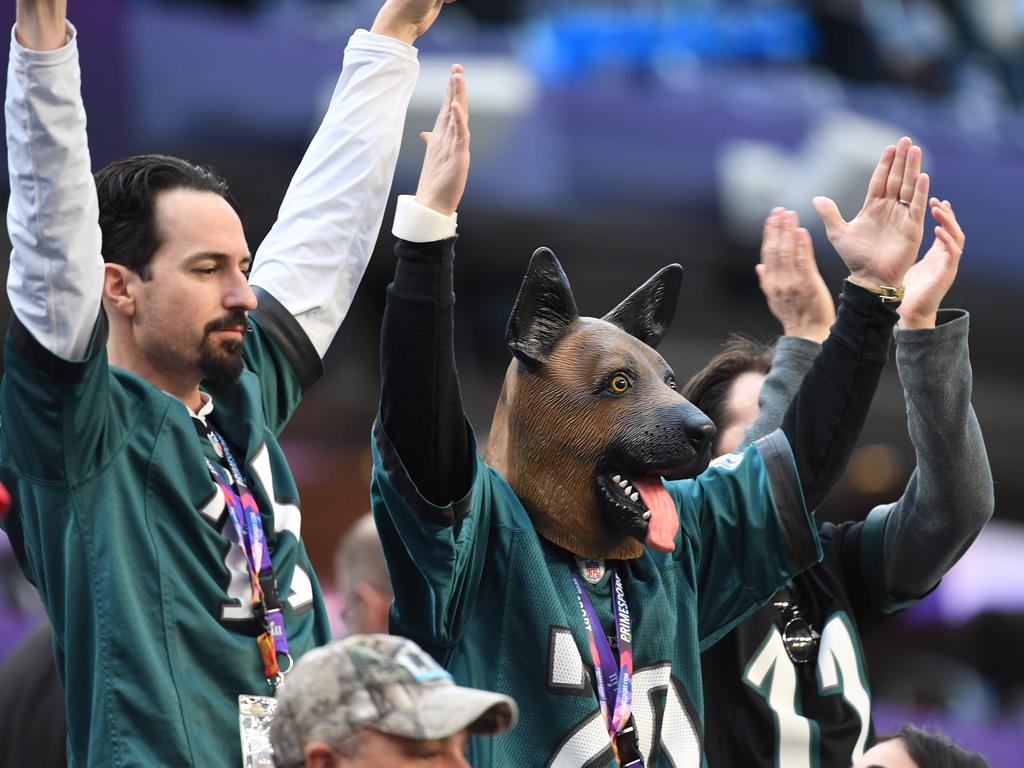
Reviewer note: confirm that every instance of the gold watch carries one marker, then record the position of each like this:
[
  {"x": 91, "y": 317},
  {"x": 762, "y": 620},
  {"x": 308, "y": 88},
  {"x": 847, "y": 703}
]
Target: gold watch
[{"x": 888, "y": 293}]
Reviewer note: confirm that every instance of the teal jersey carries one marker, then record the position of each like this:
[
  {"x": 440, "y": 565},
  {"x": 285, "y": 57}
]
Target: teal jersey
[
  {"x": 117, "y": 522},
  {"x": 496, "y": 604}
]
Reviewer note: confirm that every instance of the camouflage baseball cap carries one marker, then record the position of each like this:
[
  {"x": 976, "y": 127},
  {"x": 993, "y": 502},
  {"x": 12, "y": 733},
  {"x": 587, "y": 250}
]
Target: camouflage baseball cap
[{"x": 385, "y": 683}]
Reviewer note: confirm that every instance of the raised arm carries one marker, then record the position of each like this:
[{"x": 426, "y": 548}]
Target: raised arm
[
  {"x": 421, "y": 404},
  {"x": 316, "y": 253},
  {"x": 950, "y": 496},
  {"x": 878, "y": 246},
  {"x": 56, "y": 271}
]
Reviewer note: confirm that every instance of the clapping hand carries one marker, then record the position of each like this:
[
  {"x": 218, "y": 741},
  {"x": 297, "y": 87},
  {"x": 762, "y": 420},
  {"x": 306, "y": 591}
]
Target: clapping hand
[
  {"x": 929, "y": 279},
  {"x": 882, "y": 242},
  {"x": 788, "y": 274},
  {"x": 446, "y": 165}
]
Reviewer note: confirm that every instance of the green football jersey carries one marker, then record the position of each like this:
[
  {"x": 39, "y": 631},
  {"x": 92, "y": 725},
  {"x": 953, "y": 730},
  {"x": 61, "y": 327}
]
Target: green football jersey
[
  {"x": 117, "y": 522},
  {"x": 496, "y": 604}
]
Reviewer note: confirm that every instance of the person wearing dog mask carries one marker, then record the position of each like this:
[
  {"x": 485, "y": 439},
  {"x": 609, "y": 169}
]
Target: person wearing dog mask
[
  {"x": 773, "y": 695},
  {"x": 513, "y": 573}
]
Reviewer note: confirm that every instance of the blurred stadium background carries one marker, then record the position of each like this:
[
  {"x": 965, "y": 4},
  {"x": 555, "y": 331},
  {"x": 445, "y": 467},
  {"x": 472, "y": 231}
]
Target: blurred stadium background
[{"x": 626, "y": 135}]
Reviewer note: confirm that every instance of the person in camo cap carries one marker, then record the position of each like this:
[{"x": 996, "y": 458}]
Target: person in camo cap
[{"x": 378, "y": 700}]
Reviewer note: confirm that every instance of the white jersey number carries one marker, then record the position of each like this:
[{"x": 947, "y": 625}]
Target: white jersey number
[
  {"x": 679, "y": 739},
  {"x": 840, "y": 671},
  {"x": 287, "y": 518}
]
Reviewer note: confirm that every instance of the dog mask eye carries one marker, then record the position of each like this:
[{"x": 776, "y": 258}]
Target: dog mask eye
[{"x": 619, "y": 383}]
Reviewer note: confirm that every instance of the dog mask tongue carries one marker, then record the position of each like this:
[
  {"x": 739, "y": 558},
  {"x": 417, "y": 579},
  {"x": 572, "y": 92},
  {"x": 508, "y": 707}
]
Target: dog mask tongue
[{"x": 664, "y": 522}]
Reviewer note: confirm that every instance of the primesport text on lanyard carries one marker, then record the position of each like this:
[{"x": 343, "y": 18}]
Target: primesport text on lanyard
[
  {"x": 614, "y": 681},
  {"x": 248, "y": 525}
]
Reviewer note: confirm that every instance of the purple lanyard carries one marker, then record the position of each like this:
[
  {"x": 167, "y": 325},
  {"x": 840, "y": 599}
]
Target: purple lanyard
[
  {"x": 614, "y": 681},
  {"x": 248, "y": 525}
]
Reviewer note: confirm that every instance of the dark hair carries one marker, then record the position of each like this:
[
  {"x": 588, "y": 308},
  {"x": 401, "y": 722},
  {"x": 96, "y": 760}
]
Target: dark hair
[
  {"x": 127, "y": 190},
  {"x": 709, "y": 388},
  {"x": 934, "y": 750}
]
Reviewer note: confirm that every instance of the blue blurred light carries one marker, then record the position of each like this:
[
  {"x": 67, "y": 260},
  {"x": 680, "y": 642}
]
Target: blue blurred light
[{"x": 570, "y": 46}]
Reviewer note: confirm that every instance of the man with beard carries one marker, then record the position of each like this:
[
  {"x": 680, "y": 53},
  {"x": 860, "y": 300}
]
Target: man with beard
[{"x": 146, "y": 383}]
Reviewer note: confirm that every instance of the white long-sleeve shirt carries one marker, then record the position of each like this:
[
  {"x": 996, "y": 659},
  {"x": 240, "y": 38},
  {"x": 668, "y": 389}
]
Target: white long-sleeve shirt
[{"x": 56, "y": 275}]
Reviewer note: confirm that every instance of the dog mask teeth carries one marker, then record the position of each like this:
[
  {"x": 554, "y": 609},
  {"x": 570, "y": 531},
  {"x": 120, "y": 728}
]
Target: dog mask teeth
[{"x": 624, "y": 506}]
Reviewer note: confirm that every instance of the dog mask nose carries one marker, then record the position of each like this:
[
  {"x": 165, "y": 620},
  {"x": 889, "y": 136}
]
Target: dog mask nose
[{"x": 700, "y": 431}]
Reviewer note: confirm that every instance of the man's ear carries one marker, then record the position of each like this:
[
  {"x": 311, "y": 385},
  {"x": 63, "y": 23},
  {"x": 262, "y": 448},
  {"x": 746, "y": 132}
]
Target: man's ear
[
  {"x": 320, "y": 755},
  {"x": 544, "y": 309},
  {"x": 376, "y": 606},
  {"x": 648, "y": 311},
  {"x": 118, "y": 289}
]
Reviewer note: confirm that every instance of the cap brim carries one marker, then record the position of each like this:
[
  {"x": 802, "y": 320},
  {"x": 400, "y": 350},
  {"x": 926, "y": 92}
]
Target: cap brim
[{"x": 447, "y": 710}]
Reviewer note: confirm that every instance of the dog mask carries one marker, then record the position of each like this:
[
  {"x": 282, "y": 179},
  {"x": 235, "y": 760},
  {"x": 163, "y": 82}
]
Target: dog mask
[{"x": 589, "y": 418}]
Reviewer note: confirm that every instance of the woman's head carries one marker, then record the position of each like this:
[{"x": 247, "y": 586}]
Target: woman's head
[{"x": 916, "y": 748}]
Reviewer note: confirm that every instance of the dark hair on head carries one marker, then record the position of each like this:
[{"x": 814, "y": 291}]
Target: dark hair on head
[
  {"x": 709, "y": 388},
  {"x": 127, "y": 191},
  {"x": 934, "y": 750}
]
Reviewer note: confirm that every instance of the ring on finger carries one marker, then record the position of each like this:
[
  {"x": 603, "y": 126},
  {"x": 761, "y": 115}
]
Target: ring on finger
[{"x": 904, "y": 202}]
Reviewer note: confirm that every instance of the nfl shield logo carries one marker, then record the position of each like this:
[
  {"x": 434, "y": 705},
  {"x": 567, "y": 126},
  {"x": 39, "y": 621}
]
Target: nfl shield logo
[
  {"x": 591, "y": 570},
  {"x": 217, "y": 447}
]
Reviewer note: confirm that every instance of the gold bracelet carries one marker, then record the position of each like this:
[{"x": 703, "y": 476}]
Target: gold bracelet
[{"x": 888, "y": 294}]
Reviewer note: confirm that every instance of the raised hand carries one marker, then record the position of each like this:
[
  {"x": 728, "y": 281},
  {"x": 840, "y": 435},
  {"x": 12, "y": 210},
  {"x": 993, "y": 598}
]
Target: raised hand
[
  {"x": 407, "y": 19},
  {"x": 41, "y": 24},
  {"x": 928, "y": 281},
  {"x": 883, "y": 240},
  {"x": 796, "y": 293},
  {"x": 446, "y": 165}
]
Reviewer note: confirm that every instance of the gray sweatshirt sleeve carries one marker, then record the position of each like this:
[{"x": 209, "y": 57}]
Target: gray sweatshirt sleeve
[
  {"x": 793, "y": 358},
  {"x": 950, "y": 497}
]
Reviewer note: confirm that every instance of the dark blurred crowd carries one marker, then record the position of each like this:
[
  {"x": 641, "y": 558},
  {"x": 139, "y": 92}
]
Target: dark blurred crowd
[
  {"x": 942, "y": 46},
  {"x": 939, "y": 46}
]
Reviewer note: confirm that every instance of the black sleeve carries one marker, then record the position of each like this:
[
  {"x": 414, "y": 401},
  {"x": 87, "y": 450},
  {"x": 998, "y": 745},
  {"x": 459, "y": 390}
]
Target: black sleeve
[
  {"x": 825, "y": 417},
  {"x": 421, "y": 404},
  {"x": 284, "y": 329}
]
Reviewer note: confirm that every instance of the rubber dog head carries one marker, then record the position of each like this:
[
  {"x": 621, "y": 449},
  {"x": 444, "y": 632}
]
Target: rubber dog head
[{"x": 589, "y": 419}]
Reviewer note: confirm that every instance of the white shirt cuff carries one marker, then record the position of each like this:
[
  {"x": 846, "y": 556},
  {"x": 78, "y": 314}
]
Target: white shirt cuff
[
  {"x": 416, "y": 223},
  {"x": 371, "y": 41},
  {"x": 56, "y": 56}
]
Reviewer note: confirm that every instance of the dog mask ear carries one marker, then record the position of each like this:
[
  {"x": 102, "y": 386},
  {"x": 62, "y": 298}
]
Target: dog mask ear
[
  {"x": 543, "y": 311},
  {"x": 648, "y": 311}
]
